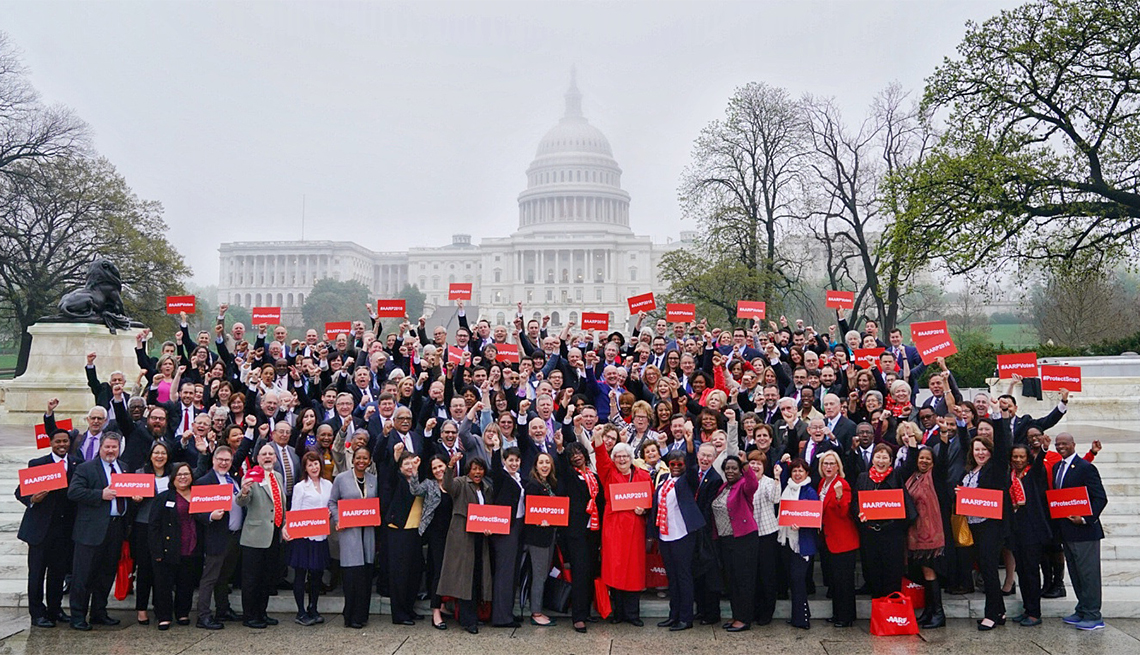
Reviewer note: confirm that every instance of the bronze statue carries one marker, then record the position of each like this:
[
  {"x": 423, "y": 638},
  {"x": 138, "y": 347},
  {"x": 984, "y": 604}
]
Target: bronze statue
[{"x": 99, "y": 301}]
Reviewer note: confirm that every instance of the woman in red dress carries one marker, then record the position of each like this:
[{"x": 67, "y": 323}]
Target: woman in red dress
[{"x": 623, "y": 533}]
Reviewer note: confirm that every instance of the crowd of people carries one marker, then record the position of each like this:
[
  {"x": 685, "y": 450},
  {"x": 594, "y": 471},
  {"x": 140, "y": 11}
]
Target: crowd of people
[{"x": 725, "y": 425}]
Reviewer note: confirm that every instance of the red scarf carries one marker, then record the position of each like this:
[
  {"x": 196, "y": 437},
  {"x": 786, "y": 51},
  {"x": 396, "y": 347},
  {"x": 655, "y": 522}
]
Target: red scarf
[
  {"x": 592, "y": 506},
  {"x": 896, "y": 409},
  {"x": 878, "y": 476},
  {"x": 1016, "y": 490},
  {"x": 662, "y": 510}
]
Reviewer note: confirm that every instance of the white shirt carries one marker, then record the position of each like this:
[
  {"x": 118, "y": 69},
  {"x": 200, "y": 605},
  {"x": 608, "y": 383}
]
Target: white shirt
[
  {"x": 110, "y": 468},
  {"x": 307, "y": 495},
  {"x": 1064, "y": 468},
  {"x": 677, "y": 528}
]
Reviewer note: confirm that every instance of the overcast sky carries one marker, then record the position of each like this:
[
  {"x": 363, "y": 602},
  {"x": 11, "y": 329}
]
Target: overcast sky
[{"x": 402, "y": 123}]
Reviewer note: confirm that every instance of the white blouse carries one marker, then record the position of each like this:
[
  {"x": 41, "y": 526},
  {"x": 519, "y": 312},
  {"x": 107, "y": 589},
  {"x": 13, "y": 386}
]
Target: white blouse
[{"x": 306, "y": 495}]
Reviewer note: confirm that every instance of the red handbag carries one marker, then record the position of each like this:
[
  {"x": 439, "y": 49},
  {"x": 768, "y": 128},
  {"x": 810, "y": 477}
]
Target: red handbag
[
  {"x": 602, "y": 598},
  {"x": 892, "y": 615},
  {"x": 915, "y": 591},
  {"x": 655, "y": 577},
  {"x": 123, "y": 574}
]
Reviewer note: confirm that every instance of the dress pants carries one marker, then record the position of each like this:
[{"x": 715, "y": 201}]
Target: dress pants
[
  {"x": 216, "y": 572},
  {"x": 50, "y": 560},
  {"x": 988, "y": 543},
  {"x": 357, "y": 585},
  {"x": 1083, "y": 558},
  {"x": 884, "y": 552},
  {"x": 505, "y": 553},
  {"x": 1028, "y": 559},
  {"x": 625, "y": 605},
  {"x": 540, "y": 557},
  {"x": 678, "y": 558},
  {"x": 738, "y": 563},
  {"x": 436, "y": 545},
  {"x": 93, "y": 572},
  {"x": 581, "y": 553},
  {"x": 259, "y": 574},
  {"x": 842, "y": 570},
  {"x": 797, "y": 566},
  {"x": 405, "y": 566},
  {"x": 144, "y": 565},
  {"x": 468, "y": 608},
  {"x": 174, "y": 584},
  {"x": 767, "y": 577}
]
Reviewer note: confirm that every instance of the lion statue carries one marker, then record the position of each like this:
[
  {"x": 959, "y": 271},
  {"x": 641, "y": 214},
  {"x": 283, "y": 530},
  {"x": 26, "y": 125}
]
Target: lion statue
[{"x": 100, "y": 300}]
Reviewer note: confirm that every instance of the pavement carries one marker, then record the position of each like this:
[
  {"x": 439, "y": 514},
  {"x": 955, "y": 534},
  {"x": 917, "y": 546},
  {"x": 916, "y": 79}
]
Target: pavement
[{"x": 960, "y": 637}]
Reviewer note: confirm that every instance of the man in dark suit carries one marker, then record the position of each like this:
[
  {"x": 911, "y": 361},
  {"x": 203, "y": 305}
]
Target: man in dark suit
[
  {"x": 908, "y": 355},
  {"x": 1081, "y": 535},
  {"x": 1019, "y": 425},
  {"x": 100, "y": 522},
  {"x": 180, "y": 413},
  {"x": 84, "y": 445},
  {"x": 836, "y": 423},
  {"x": 818, "y": 443},
  {"x": 707, "y": 585},
  {"x": 46, "y": 528},
  {"x": 222, "y": 533},
  {"x": 108, "y": 394},
  {"x": 858, "y": 458}
]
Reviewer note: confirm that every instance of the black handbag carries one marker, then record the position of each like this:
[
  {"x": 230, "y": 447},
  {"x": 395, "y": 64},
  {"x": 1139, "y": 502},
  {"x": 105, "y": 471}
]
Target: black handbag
[{"x": 556, "y": 596}]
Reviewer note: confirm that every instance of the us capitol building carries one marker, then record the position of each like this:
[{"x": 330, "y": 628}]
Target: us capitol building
[{"x": 573, "y": 251}]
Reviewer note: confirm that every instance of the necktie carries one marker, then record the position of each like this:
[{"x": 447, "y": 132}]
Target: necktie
[
  {"x": 89, "y": 451},
  {"x": 120, "y": 504},
  {"x": 287, "y": 468},
  {"x": 700, "y": 481},
  {"x": 185, "y": 419},
  {"x": 662, "y": 510},
  {"x": 867, "y": 458},
  {"x": 1061, "y": 473},
  {"x": 278, "y": 508}
]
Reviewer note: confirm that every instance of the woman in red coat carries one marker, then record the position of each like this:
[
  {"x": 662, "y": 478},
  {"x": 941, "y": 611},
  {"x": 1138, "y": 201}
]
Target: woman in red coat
[
  {"x": 841, "y": 537},
  {"x": 623, "y": 533}
]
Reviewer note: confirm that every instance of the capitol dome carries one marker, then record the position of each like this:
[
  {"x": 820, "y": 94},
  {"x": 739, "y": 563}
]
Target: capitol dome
[{"x": 574, "y": 177}]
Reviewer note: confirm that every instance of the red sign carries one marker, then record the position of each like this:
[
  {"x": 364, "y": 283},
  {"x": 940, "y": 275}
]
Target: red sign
[
  {"x": 680, "y": 312},
  {"x": 643, "y": 303},
  {"x": 985, "y": 503},
  {"x": 507, "y": 352},
  {"x": 750, "y": 309},
  {"x": 868, "y": 357},
  {"x": 801, "y": 513},
  {"x": 595, "y": 321},
  {"x": 46, "y": 477},
  {"x": 265, "y": 316},
  {"x": 179, "y": 304},
  {"x": 555, "y": 510},
  {"x": 495, "y": 519},
  {"x": 455, "y": 354},
  {"x": 301, "y": 523},
  {"x": 358, "y": 513},
  {"x": 209, "y": 497},
  {"x": 1054, "y": 378},
  {"x": 928, "y": 330},
  {"x": 1064, "y": 503},
  {"x": 397, "y": 308},
  {"x": 338, "y": 327},
  {"x": 931, "y": 349},
  {"x": 840, "y": 299},
  {"x": 43, "y": 439},
  {"x": 631, "y": 495},
  {"x": 133, "y": 484},
  {"x": 882, "y": 505},
  {"x": 1023, "y": 364},
  {"x": 459, "y": 291}
]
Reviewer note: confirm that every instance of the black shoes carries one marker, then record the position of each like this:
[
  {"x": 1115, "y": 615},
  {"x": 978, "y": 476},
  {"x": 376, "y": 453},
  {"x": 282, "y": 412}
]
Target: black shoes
[
  {"x": 228, "y": 615},
  {"x": 472, "y": 629},
  {"x": 637, "y": 623},
  {"x": 43, "y": 622},
  {"x": 709, "y": 620},
  {"x": 256, "y": 624},
  {"x": 841, "y": 624},
  {"x": 404, "y": 622},
  {"x": 511, "y": 624},
  {"x": 740, "y": 628},
  {"x": 209, "y": 624},
  {"x": 439, "y": 626},
  {"x": 1057, "y": 591},
  {"x": 677, "y": 627},
  {"x": 104, "y": 620},
  {"x": 81, "y": 625},
  {"x": 269, "y": 620},
  {"x": 667, "y": 623}
]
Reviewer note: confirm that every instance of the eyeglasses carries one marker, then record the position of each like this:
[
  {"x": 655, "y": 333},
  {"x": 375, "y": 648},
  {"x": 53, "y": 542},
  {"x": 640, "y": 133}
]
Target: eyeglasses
[{"x": 450, "y": 432}]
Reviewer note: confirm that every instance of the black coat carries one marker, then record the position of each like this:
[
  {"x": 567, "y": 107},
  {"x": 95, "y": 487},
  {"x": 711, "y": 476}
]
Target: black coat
[
  {"x": 536, "y": 535},
  {"x": 573, "y": 486},
  {"x": 1083, "y": 474},
  {"x": 164, "y": 534},
  {"x": 1031, "y": 521},
  {"x": 92, "y": 513},
  {"x": 215, "y": 535},
  {"x": 51, "y": 517}
]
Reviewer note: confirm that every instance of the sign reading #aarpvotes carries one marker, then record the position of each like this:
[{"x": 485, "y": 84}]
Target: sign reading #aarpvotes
[
  {"x": 801, "y": 513},
  {"x": 265, "y": 316},
  {"x": 358, "y": 513},
  {"x": 46, "y": 477},
  {"x": 302, "y": 523},
  {"x": 495, "y": 519},
  {"x": 882, "y": 505},
  {"x": 459, "y": 291},
  {"x": 209, "y": 497},
  {"x": 43, "y": 439},
  {"x": 928, "y": 330},
  {"x": 840, "y": 299},
  {"x": 507, "y": 352},
  {"x": 931, "y": 349},
  {"x": 1055, "y": 378},
  {"x": 1073, "y": 501},
  {"x": 337, "y": 327},
  {"x": 985, "y": 503},
  {"x": 179, "y": 304},
  {"x": 1023, "y": 364},
  {"x": 133, "y": 484},
  {"x": 395, "y": 308},
  {"x": 595, "y": 321},
  {"x": 630, "y": 496},
  {"x": 750, "y": 309},
  {"x": 680, "y": 312},
  {"x": 555, "y": 510},
  {"x": 642, "y": 303}
]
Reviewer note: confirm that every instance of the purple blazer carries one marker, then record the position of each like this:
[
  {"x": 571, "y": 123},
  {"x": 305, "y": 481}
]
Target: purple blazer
[{"x": 740, "y": 504}]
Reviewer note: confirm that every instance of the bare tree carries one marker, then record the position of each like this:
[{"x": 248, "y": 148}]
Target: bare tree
[{"x": 1083, "y": 306}]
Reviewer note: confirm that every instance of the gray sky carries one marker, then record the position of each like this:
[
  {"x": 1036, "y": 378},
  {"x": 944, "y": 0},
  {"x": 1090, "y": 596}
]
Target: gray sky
[{"x": 402, "y": 123}]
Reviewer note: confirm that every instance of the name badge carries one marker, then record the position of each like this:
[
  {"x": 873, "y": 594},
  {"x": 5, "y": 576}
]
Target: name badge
[{"x": 170, "y": 503}]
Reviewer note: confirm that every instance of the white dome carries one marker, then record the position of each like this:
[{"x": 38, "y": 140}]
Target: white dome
[{"x": 573, "y": 134}]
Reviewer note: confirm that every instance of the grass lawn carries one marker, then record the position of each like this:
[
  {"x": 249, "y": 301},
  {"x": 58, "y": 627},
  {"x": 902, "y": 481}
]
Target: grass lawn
[
  {"x": 6, "y": 362},
  {"x": 1013, "y": 334}
]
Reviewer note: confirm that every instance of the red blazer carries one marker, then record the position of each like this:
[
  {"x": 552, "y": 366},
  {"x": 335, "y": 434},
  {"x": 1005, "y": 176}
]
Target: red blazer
[{"x": 839, "y": 531}]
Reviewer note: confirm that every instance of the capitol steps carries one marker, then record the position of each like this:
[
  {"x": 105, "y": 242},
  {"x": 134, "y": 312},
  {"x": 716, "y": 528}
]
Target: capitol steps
[{"x": 1119, "y": 465}]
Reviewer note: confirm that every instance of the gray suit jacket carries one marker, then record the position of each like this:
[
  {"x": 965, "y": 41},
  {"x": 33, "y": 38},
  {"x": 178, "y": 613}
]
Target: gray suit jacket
[
  {"x": 257, "y": 529},
  {"x": 357, "y": 545}
]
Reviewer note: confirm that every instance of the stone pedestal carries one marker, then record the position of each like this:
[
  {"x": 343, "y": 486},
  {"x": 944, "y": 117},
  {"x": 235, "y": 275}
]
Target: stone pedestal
[{"x": 56, "y": 370}]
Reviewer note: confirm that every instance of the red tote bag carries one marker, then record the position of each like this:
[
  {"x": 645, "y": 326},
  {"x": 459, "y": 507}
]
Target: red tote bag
[
  {"x": 892, "y": 615},
  {"x": 602, "y": 598},
  {"x": 915, "y": 591}
]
